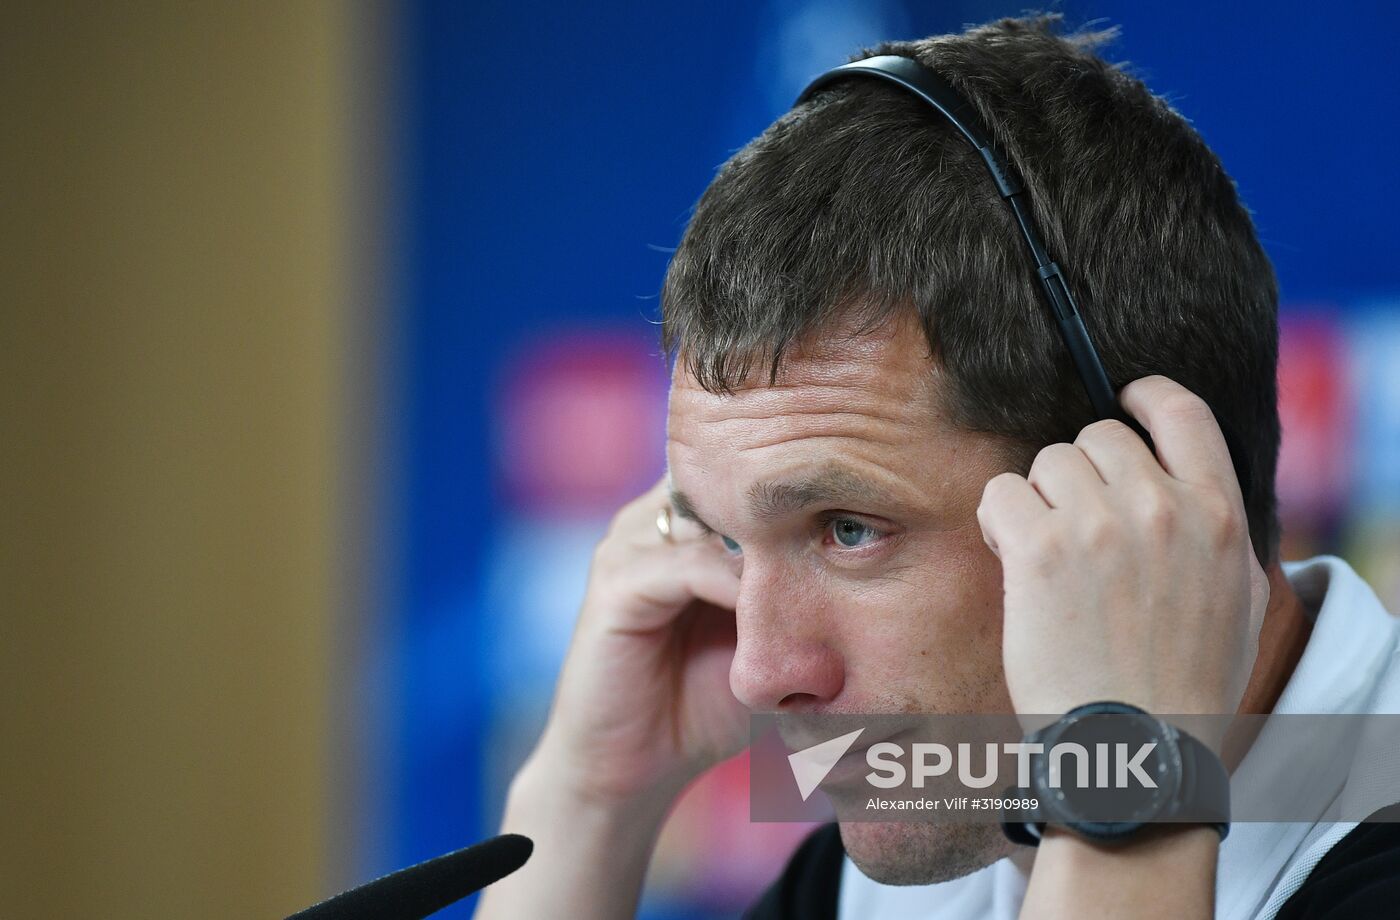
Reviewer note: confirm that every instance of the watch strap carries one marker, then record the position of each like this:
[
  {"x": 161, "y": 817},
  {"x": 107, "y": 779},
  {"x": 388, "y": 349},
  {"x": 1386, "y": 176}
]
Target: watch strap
[{"x": 1205, "y": 787}]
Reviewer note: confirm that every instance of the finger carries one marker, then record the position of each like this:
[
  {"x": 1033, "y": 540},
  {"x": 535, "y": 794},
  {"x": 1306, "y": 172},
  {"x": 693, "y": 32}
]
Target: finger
[
  {"x": 1118, "y": 452},
  {"x": 684, "y": 530},
  {"x": 1009, "y": 505},
  {"x": 1065, "y": 478},
  {"x": 637, "y": 520},
  {"x": 641, "y": 511},
  {"x": 669, "y": 578},
  {"x": 682, "y": 527},
  {"x": 1189, "y": 444}
]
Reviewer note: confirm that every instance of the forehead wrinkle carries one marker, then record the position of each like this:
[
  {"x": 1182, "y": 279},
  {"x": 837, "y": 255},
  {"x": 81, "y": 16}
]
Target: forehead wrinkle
[
  {"x": 832, "y": 483},
  {"x": 811, "y": 404},
  {"x": 805, "y": 399},
  {"x": 748, "y": 433},
  {"x": 744, "y": 436},
  {"x": 724, "y": 421},
  {"x": 797, "y": 411},
  {"x": 787, "y": 438}
]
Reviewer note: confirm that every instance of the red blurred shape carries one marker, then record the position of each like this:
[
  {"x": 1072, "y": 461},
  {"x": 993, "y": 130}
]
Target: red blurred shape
[
  {"x": 582, "y": 422},
  {"x": 1314, "y": 409},
  {"x": 711, "y": 853}
]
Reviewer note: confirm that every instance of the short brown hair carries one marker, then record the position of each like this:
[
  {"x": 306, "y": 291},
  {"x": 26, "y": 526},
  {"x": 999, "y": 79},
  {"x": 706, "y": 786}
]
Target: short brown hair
[{"x": 863, "y": 199}]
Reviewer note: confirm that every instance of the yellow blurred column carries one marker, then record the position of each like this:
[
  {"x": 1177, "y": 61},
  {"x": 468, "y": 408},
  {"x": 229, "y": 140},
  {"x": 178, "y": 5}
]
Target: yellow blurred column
[{"x": 174, "y": 315}]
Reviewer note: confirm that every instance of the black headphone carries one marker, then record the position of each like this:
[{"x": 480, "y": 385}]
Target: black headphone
[{"x": 937, "y": 92}]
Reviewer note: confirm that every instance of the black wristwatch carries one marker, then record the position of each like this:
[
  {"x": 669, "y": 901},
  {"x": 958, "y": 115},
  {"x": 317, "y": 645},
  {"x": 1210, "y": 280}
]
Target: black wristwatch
[{"x": 1135, "y": 770}]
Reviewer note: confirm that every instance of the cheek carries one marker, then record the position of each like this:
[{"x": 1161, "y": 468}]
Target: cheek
[{"x": 935, "y": 623}]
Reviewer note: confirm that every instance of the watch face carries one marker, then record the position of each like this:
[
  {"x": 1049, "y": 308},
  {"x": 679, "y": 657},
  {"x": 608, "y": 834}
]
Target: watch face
[{"x": 1107, "y": 769}]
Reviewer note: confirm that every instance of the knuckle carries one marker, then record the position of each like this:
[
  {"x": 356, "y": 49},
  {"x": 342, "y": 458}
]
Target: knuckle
[
  {"x": 1186, "y": 406},
  {"x": 609, "y": 533},
  {"x": 1049, "y": 456},
  {"x": 634, "y": 506},
  {"x": 1156, "y": 511},
  {"x": 1104, "y": 431},
  {"x": 1154, "y": 386},
  {"x": 617, "y": 543},
  {"x": 998, "y": 487},
  {"x": 1099, "y": 531},
  {"x": 1044, "y": 547},
  {"x": 620, "y": 518},
  {"x": 602, "y": 556},
  {"x": 1226, "y": 523}
]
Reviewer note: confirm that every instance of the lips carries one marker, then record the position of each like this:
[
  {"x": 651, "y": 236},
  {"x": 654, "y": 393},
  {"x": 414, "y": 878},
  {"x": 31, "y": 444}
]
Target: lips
[
  {"x": 802, "y": 732},
  {"x": 851, "y": 765}
]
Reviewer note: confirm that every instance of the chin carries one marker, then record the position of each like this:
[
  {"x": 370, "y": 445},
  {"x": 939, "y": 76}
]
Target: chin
[{"x": 921, "y": 853}]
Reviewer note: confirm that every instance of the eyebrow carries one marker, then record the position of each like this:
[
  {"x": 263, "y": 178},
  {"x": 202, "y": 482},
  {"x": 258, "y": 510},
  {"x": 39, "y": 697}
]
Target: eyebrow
[
  {"x": 835, "y": 484},
  {"x": 685, "y": 509}
]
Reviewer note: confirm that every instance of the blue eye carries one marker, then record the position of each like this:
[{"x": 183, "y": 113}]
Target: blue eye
[
  {"x": 851, "y": 533},
  {"x": 729, "y": 544}
]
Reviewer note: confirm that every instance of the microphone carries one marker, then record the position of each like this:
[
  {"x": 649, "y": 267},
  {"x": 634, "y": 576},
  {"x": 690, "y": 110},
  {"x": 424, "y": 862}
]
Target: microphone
[{"x": 416, "y": 892}]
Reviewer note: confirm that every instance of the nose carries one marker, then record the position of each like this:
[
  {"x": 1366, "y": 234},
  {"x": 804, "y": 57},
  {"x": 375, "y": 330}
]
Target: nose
[{"x": 783, "y": 657}]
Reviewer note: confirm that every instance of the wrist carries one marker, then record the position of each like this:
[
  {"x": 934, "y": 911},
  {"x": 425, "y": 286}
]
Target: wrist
[
  {"x": 1167, "y": 872},
  {"x": 591, "y": 852},
  {"x": 1126, "y": 771},
  {"x": 1179, "y": 847},
  {"x": 595, "y": 775},
  {"x": 1189, "y": 844},
  {"x": 550, "y": 792}
]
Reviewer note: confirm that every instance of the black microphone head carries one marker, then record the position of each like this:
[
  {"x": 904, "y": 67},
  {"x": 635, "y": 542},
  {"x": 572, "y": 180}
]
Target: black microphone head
[{"x": 416, "y": 892}]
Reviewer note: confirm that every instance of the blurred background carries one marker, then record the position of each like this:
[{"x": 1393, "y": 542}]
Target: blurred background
[{"x": 329, "y": 352}]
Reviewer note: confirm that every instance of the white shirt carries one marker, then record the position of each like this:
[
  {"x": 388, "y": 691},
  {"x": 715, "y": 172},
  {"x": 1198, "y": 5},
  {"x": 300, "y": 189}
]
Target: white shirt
[{"x": 1351, "y": 665}]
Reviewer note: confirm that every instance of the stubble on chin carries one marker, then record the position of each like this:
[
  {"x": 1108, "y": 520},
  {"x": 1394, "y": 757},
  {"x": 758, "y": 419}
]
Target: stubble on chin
[{"x": 921, "y": 853}]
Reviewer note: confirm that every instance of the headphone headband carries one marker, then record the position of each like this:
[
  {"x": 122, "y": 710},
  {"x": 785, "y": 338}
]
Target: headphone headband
[{"x": 930, "y": 86}]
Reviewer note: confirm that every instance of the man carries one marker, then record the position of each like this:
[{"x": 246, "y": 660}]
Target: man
[{"x": 888, "y": 494}]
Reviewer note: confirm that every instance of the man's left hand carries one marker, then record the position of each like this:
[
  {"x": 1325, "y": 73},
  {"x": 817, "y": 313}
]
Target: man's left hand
[{"x": 1128, "y": 577}]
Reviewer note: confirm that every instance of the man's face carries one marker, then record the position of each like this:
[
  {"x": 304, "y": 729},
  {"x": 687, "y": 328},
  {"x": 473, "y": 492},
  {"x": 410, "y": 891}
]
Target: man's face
[{"x": 848, "y": 506}]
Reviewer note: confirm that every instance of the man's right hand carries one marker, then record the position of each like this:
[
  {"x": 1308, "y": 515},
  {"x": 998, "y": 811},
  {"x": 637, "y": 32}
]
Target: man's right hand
[
  {"x": 642, "y": 707},
  {"x": 643, "y": 703}
]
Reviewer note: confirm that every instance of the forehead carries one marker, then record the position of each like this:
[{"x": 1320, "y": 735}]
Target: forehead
[
  {"x": 853, "y": 415},
  {"x": 854, "y": 421},
  {"x": 879, "y": 384}
]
